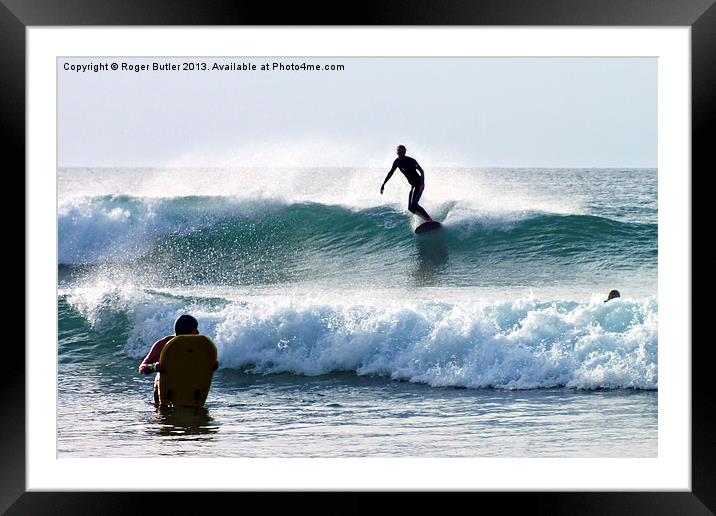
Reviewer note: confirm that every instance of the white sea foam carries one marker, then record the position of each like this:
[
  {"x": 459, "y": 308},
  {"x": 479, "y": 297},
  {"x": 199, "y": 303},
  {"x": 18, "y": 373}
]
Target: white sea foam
[{"x": 517, "y": 344}]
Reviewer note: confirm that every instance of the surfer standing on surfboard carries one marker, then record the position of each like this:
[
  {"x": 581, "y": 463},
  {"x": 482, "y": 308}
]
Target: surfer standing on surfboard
[{"x": 410, "y": 168}]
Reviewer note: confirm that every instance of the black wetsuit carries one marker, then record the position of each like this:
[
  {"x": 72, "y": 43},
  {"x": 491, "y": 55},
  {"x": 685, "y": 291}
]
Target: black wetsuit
[{"x": 409, "y": 167}]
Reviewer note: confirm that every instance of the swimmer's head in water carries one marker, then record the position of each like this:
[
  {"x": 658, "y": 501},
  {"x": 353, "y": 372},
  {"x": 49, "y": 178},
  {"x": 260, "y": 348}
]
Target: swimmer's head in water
[{"x": 612, "y": 295}]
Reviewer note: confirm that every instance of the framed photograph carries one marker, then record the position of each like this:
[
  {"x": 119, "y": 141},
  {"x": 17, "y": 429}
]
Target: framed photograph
[{"x": 442, "y": 249}]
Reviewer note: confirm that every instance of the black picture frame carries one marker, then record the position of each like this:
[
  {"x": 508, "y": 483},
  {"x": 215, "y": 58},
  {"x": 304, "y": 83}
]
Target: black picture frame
[{"x": 17, "y": 15}]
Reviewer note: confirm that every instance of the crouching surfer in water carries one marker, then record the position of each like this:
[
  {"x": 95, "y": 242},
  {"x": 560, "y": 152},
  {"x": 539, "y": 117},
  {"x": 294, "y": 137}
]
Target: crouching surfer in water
[
  {"x": 184, "y": 325},
  {"x": 410, "y": 168}
]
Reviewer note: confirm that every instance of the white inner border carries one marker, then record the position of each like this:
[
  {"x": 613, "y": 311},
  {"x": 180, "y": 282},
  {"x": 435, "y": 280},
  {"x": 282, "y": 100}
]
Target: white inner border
[{"x": 670, "y": 471}]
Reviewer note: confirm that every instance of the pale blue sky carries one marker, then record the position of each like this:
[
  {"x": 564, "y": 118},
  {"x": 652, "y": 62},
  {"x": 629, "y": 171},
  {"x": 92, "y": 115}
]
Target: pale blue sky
[{"x": 482, "y": 112}]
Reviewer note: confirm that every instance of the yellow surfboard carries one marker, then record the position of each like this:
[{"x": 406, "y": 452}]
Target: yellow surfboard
[{"x": 186, "y": 375}]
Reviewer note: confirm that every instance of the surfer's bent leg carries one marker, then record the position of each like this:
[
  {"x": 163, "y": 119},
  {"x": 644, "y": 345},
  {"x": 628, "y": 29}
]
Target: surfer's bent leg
[{"x": 413, "y": 198}]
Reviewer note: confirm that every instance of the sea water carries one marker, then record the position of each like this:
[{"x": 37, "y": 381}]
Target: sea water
[{"x": 342, "y": 333}]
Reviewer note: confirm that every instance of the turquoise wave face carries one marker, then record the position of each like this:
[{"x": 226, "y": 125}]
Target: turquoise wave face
[{"x": 199, "y": 240}]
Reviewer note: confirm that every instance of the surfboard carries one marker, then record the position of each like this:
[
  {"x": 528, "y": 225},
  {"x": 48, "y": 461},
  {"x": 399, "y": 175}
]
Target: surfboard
[
  {"x": 428, "y": 226},
  {"x": 186, "y": 375}
]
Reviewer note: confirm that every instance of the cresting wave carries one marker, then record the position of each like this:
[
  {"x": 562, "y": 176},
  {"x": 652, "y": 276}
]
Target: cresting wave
[
  {"x": 126, "y": 228},
  {"x": 519, "y": 344}
]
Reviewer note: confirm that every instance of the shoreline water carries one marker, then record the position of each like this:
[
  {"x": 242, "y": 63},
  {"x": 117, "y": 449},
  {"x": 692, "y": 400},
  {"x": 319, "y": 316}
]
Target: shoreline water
[{"x": 344, "y": 415}]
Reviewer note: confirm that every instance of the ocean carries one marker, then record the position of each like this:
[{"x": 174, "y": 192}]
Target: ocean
[{"x": 342, "y": 333}]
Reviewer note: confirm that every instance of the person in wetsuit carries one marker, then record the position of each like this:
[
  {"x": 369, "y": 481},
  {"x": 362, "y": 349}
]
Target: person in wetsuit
[{"x": 410, "y": 168}]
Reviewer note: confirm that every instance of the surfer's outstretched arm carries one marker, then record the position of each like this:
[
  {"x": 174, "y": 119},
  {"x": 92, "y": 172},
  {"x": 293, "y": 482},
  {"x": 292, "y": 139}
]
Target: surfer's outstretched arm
[{"x": 390, "y": 174}]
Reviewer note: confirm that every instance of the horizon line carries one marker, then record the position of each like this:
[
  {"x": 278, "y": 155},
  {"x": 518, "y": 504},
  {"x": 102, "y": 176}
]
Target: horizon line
[{"x": 632, "y": 167}]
